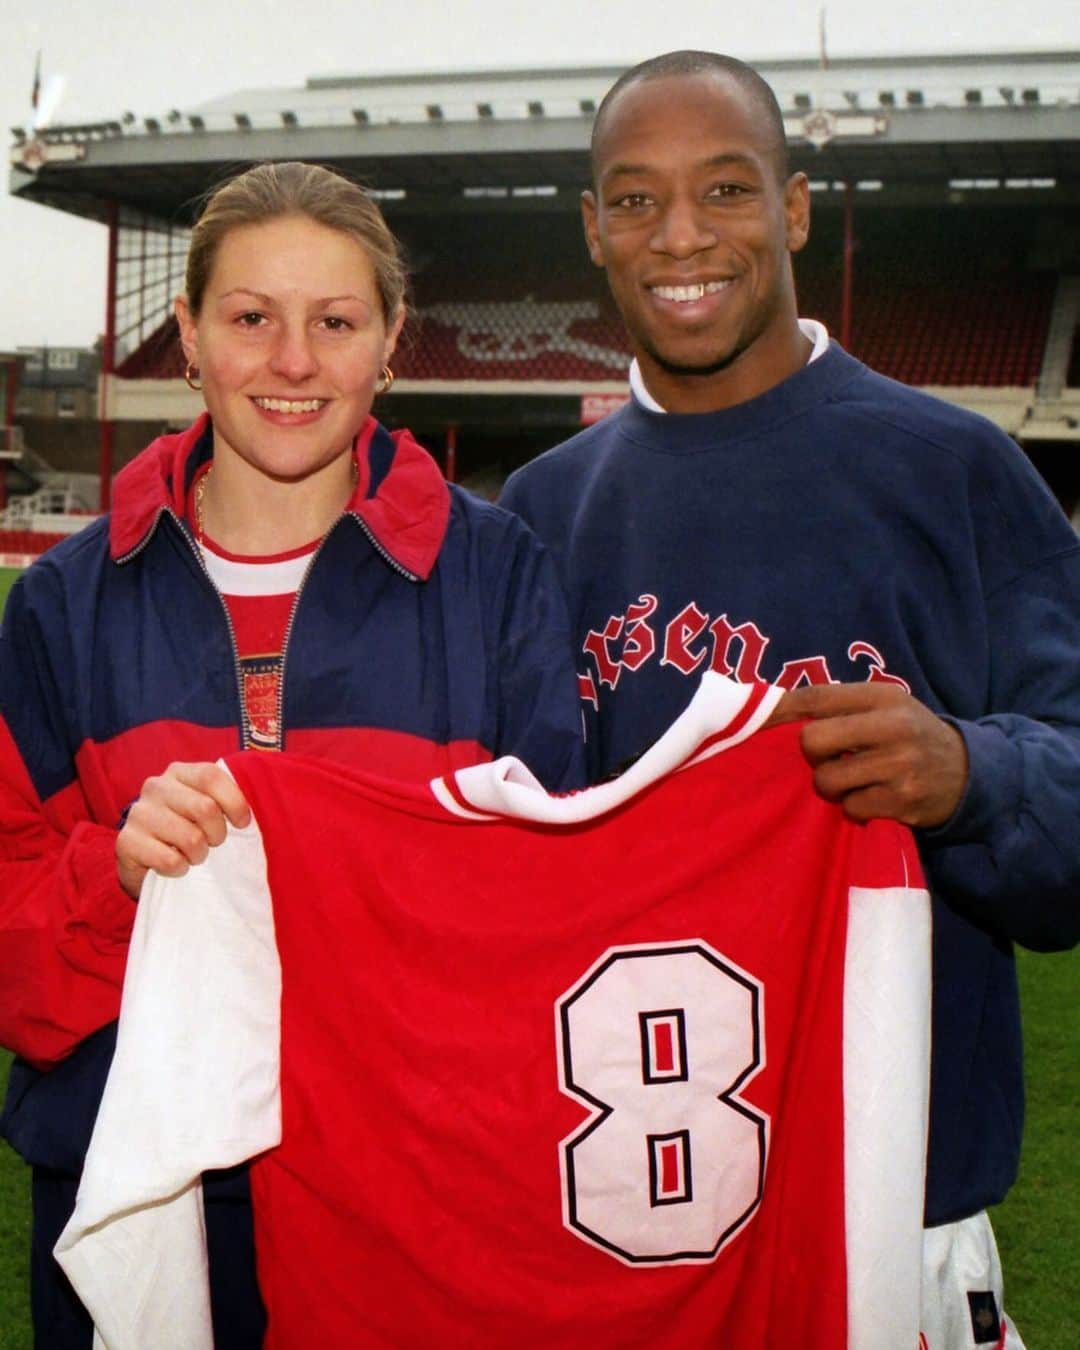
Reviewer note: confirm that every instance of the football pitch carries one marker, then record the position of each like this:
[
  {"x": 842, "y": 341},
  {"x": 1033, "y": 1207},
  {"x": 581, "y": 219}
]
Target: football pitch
[
  {"x": 1038, "y": 1227},
  {"x": 7, "y": 578}
]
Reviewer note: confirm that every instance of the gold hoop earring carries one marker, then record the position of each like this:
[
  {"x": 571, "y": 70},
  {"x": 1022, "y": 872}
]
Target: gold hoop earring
[
  {"x": 191, "y": 374},
  {"x": 387, "y": 377}
]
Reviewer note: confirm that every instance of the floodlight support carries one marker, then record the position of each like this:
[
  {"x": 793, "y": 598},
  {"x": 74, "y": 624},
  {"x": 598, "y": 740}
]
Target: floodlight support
[
  {"x": 451, "y": 452},
  {"x": 847, "y": 274},
  {"x": 10, "y": 386},
  {"x": 108, "y": 362}
]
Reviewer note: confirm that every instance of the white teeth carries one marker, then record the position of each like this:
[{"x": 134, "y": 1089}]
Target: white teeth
[
  {"x": 286, "y": 405},
  {"x": 685, "y": 294}
]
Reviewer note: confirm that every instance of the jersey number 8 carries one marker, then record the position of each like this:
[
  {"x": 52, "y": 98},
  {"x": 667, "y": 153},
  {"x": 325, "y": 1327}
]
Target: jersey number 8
[{"x": 657, "y": 1042}]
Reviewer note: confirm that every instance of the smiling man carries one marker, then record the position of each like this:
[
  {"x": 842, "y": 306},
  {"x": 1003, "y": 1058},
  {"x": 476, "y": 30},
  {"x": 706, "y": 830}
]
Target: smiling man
[
  {"x": 695, "y": 218},
  {"x": 767, "y": 507}
]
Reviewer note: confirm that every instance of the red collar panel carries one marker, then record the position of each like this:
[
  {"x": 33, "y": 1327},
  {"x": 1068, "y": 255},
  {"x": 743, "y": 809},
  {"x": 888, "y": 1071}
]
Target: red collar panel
[{"x": 400, "y": 497}]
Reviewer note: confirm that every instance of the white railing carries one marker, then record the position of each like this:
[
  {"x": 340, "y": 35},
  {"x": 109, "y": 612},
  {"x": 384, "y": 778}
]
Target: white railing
[
  {"x": 60, "y": 503},
  {"x": 58, "y": 508}
]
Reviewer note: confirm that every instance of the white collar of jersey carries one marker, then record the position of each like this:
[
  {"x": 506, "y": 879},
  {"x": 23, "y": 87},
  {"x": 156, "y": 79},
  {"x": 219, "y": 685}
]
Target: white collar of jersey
[
  {"x": 816, "y": 332},
  {"x": 232, "y": 577},
  {"x": 722, "y": 714}
]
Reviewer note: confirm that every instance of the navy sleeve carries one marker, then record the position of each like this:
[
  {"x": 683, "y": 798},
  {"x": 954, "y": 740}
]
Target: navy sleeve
[
  {"x": 1009, "y": 857},
  {"x": 65, "y": 922}
]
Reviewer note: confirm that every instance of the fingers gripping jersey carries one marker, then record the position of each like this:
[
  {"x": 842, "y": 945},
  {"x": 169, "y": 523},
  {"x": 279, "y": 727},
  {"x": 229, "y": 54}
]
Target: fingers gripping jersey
[{"x": 644, "y": 1066}]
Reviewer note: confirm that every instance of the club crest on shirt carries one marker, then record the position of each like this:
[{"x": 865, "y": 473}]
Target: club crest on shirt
[
  {"x": 694, "y": 641},
  {"x": 261, "y": 678}
]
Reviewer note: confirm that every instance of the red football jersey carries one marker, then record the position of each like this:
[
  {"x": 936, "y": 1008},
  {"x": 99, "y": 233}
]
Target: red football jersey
[
  {"x": 562, "y": 1088},
  {"x": 577, "y": 1085}
]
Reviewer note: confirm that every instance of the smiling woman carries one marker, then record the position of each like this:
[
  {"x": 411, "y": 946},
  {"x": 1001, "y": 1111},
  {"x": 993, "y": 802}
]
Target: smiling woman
[
  {"x": 294, "y": 302},
  {"x": 285, "y": 574},
  {"x": 287, "y": 326}
]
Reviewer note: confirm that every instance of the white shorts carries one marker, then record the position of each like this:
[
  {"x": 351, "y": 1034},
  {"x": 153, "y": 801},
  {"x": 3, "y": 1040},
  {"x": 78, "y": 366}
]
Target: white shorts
[{"x": 962, "y": 1303}]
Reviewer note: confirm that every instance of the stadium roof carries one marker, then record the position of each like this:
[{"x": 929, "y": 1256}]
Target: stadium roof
[{"x": 912, "y": 128}]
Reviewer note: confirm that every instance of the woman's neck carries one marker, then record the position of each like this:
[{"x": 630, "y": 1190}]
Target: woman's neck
[{"x": 251, "y": 514}]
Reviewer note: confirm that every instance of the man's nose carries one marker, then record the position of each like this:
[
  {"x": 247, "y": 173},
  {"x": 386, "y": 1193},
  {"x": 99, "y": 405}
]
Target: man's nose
[{"x": 683, "y": 230}]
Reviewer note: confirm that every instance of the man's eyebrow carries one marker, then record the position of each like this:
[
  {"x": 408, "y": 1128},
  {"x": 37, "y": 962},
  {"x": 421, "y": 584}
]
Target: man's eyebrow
[
  {"x": 621, "y": 170},
  {"x": 732, "y": 159},
  {"x": 728, "y": 159}
]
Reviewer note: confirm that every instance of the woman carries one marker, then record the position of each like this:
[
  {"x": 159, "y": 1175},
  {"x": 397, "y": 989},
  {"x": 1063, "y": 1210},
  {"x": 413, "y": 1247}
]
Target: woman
[{"x": 283, "y": 574}]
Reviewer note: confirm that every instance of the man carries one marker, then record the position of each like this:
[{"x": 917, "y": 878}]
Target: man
[{"x": 765, "y": 506}]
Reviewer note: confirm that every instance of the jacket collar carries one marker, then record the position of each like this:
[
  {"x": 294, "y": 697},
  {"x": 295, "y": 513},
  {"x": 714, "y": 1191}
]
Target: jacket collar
[{"x": 400, "y": 496}]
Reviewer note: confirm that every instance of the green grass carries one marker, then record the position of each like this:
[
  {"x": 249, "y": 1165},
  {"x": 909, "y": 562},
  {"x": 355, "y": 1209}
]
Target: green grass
[
  {"x": 14, "y": 1244},
  {"x": 1038, "y": 1227},
  {"x": 7, "y": 578}
]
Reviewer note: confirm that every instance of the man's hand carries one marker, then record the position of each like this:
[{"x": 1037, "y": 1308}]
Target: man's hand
[
  {"x": 878, "y": 751},
  {"x": 178, "y": 817}
]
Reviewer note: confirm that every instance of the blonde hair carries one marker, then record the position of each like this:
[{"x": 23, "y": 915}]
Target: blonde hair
[{"x": 271, "y": 191}]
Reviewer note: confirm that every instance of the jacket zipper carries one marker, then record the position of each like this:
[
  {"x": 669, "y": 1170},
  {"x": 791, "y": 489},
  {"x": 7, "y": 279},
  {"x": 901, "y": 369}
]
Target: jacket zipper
[
  {"x": 285, "y": 641},
  {"x": 245, "y": 725},
  {"x": 391, "y": 562}
]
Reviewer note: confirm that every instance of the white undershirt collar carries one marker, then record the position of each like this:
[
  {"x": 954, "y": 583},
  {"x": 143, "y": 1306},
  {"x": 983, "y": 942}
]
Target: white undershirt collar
[
  {"x": 810, "y": 328},
  {"x": 233, "y": 576}
]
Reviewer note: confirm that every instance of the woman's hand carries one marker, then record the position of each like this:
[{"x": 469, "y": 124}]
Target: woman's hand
[{"x": 175, "y": 821}]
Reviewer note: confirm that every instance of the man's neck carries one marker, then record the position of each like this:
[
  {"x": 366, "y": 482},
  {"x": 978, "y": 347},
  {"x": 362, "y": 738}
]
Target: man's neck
[{"x": 814, "y": 342}]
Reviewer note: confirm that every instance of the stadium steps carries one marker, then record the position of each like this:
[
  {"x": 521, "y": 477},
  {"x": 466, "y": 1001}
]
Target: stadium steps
[
  {"x": 15, "y": 455},
  {"x": 51, "y": 506}
]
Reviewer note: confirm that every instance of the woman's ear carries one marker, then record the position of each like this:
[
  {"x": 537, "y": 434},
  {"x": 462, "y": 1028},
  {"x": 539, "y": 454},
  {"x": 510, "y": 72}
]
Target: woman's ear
[
  {"x": 392, "y": 335},
  {"x": 189, "y": 336}
]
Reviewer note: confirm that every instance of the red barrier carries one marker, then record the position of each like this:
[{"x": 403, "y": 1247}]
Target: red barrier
[{"x": 25, "y": 543}]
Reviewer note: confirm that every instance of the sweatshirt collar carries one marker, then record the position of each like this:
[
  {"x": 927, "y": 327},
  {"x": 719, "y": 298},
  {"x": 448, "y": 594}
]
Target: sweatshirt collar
[
  {"x": 816, "y": 332},
  {"x": 400, "y": 497},
  {"x": 696, "y": 433}
]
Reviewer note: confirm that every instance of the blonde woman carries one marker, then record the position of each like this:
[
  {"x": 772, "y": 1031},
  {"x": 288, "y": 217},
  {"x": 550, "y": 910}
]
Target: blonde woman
[{"x": 285, "y": 574}]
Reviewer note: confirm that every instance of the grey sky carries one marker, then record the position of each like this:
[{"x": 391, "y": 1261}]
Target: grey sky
[{"x": 149, "y": 56}]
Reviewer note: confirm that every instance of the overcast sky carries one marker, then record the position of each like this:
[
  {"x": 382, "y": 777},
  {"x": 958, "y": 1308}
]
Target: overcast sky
[{"x": 149, "y": 56}]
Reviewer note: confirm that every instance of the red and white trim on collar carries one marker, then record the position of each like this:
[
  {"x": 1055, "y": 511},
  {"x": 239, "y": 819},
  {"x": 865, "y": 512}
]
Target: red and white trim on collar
[
  {"x": 277, "y": 575},
  {"x": 722, "y": 714}
]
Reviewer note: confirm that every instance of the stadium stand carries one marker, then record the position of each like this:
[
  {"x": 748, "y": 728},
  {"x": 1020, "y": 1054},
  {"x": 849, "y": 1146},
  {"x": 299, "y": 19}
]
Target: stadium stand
[
  {"x": 27, "y": 543},
  {"x": 945, "y": 248},
  {"x": 961, "y": 319},
  {"x": 159, "y": 357}
]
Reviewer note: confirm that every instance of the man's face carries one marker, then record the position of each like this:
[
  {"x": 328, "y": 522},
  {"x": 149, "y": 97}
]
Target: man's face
[{"x": 695, "y": 232}]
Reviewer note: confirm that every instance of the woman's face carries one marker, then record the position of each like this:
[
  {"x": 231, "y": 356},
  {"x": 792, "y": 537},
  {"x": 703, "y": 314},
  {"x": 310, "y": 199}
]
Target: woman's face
[{"x": 289, "y": 341}]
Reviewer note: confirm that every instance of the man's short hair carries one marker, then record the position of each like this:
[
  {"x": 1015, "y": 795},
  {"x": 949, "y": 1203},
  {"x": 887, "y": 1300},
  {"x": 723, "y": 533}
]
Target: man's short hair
[{"x": 756, "y": 90}]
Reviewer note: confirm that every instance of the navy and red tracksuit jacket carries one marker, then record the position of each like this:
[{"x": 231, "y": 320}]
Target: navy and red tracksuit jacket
[{"x": 429, "y": 632}]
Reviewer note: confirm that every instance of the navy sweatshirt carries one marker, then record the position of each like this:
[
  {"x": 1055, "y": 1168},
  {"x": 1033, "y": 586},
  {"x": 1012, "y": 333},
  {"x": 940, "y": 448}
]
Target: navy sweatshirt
[{"x": 842, "y": 527}]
